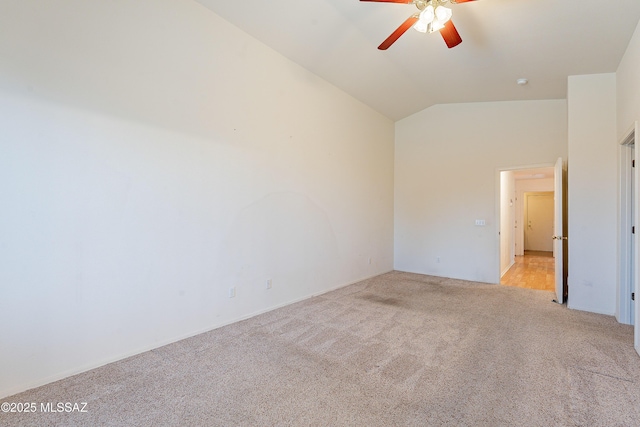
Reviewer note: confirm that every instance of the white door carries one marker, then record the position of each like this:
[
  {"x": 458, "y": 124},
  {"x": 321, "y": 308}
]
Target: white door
[
  {"x": 539, "y": 219},
  {"x": 635, "y": 287},
  {"x": 633, "y": 249},
  {"x": 558, "y": 236}
]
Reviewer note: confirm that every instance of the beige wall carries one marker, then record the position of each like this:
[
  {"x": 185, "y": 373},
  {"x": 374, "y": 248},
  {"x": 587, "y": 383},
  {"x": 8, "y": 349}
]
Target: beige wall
[
  {"x": 154, "y": 156},
  {"x": 446, "y": 164},
  {"x": 628, "y": 87},
  {"x": 592, "y": 198}
]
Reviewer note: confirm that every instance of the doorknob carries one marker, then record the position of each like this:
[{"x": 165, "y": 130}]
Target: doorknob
[{"x": 559, "y": 238}]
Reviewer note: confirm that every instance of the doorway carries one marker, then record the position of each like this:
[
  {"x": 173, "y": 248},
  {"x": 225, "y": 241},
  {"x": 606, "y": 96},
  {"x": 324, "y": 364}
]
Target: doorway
[
  {"x": 538, "y": 221},
  {"x": 533, "y": 270},
  {"x": 628, "y": 220},
  {"x": 527, "y": 227}
]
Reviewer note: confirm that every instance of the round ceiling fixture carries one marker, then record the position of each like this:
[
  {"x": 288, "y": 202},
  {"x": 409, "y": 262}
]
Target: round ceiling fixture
[{"x": 522, "y": 82}]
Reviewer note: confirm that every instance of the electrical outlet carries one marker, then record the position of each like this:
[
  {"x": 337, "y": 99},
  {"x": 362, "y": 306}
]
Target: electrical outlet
[
  {"x": 268, "y": 283},
  {"x": 369, "y": 260},
  {"x": 232, "y": 292}
]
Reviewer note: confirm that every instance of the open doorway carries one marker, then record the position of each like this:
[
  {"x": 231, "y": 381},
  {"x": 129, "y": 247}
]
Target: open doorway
[
  {"x": 538, "y": 222},
  {"x": 627, "y": 240},
  {"x": 527, "y": 227},
  {"x": 628, "y": 306}
]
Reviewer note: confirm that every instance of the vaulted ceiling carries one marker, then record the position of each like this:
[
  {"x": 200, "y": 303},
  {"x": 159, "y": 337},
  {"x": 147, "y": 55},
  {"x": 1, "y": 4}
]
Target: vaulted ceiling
[{"x": 544, "y": 41}]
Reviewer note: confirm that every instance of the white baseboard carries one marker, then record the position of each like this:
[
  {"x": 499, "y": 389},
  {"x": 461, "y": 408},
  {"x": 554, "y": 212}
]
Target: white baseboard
[{"x": 508, "y": 268}]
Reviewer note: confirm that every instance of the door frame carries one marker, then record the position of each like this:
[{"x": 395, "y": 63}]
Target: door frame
[
  {"x": 625, "y": 221},
  {"x": 561, "y": 231},
  {"x": 497, "y": 216}
]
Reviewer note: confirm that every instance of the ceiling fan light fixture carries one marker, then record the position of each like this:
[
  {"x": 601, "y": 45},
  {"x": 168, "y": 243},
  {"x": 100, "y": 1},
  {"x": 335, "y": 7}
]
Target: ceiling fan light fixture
[
  {"x": 433, "y": 19},
  {"x": 428, "y": 14},
  {"x": 421, "y": 26},
  {"x": 432, "y": 16},
  {"x": 435, "y": 26},
  {"x": 443, "y": 14}
]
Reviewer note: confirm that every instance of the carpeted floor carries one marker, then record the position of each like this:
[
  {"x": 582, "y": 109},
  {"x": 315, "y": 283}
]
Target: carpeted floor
[{"x": 397, "y": 350}]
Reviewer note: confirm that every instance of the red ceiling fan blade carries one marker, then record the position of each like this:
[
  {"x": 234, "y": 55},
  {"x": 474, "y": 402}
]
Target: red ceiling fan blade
[
  {"x": 395, "y": 1},
  {"x": 398, "y": 32},
  {"x": 450, "y": 34}
]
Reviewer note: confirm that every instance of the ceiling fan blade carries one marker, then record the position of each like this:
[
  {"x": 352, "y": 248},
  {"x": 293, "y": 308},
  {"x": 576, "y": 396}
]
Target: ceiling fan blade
[
  {"x": 394, "y": 1},
  {"x": 450, "y": 34},
  {"x": 459, "y": 1},
  {"x": 398, "y": 32}
]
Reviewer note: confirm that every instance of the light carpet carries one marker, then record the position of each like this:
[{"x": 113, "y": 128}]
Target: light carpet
[{"x": 397, "y": 350}]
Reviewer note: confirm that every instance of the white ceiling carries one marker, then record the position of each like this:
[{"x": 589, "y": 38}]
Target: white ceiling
[{"x": 503, "y": 40}]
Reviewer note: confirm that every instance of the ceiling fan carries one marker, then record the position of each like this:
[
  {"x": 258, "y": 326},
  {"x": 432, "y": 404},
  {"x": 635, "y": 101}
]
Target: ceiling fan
[{"x": 432, "y": 16}]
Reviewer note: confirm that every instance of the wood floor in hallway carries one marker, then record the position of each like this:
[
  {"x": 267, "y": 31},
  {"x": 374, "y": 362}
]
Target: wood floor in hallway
[{"x": 534, "y": 270}]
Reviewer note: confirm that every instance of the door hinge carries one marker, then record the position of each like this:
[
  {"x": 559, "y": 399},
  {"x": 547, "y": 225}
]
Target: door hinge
[
  {"x": 633, "y": 296},
  {"x": 633, "y": 230},
  {"x": 633, "y": 163}
]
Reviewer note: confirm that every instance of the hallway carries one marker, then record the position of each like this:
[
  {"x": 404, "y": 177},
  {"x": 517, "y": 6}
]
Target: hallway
[{"x": 534, "y": 270}]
